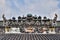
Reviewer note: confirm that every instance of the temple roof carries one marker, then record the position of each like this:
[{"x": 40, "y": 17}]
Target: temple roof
[{"x": 29, "y": 15}]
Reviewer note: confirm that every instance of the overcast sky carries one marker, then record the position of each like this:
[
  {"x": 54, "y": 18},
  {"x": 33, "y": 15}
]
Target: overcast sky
[{"x": 23, "y": 7}]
